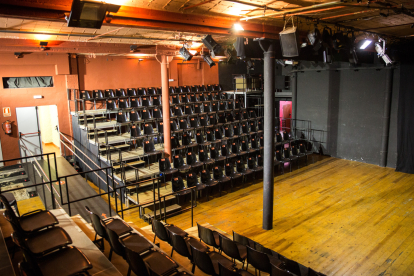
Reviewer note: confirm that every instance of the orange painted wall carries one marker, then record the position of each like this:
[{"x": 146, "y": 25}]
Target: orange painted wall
[
  {"x": 122, "y": 72},
  {"x": 55, "y": 65},
  {"x": 94, "y": 73}
]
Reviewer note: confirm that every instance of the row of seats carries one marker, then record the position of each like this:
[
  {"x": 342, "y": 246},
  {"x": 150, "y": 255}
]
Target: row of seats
[
  {"x": 141, "y": 91},
  {"x": 143, "y": 259},
  {"x": 239, "y": 248},
  {"x": 209, "y": 102},
  {"x": 45, "y": 246}
]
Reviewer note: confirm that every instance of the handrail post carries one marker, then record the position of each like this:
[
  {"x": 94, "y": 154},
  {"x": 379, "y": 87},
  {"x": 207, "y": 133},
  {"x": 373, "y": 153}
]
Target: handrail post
[
  {"x": 67, "y": 195},
  {"x": 153, "y": 193},
  {"x": 116, "y": 198},
  {"x": 192, "y": 206},
  {"x": 51, "y": 183}
]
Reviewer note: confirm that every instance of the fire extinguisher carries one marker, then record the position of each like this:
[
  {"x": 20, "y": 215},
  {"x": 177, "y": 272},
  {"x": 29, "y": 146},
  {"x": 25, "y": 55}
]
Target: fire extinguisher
[{"x": 8, "y": 126}]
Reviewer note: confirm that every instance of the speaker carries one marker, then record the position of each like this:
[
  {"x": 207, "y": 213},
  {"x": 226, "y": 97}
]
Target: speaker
[{"x": 289, "y": 43}]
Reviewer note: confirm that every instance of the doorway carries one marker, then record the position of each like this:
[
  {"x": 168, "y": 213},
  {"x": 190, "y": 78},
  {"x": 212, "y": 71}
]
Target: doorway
[
  {"x": 38, "y": 128},
  {"x": 285, "y": 115}
]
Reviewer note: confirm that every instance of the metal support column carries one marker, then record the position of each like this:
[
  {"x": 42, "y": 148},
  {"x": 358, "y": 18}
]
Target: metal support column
[
  {"x": 269, "y": 132},
  {"x": 294, "y": 86},
  {"x": 165, "y": 106},
  {"x": 386, "y": 117}
]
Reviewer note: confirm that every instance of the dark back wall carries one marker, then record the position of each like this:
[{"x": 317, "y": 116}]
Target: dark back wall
[{"x": 348, "y": 106}]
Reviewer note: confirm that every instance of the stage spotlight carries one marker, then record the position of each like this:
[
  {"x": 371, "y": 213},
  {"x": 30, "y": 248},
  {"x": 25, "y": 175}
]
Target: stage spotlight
[
  {"x": 365, "y": 44},
  {"x": 238, "y": 27},
  {"x": 133, "y": 48},
  {"x": 43, "y": 45},
  {"x": 185, "y": 54},
  {"x": 211, "y": 44},
  {"x": 209, "y": 61},
  {"x": 18, "y": 55},
  {"x": 381, "y": 52}
]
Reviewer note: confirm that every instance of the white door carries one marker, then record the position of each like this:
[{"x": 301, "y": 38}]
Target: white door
[{"x": 28, "y": 126}]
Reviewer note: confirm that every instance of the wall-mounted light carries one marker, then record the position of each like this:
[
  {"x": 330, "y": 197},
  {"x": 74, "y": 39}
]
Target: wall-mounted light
[
  {"x": 133, "y": 48},
  {"x": 18, "y": 55}
]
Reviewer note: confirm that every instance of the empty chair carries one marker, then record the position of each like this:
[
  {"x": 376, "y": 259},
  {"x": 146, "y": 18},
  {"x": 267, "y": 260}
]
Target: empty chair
[
  {"x": 228, "y": 132},
  {"x": 146, "y": 115},
  {"x": 229, "y": 117},
  {"x": 288, "y": 268},
  {"x": 210, "y": 96},
  {"x": 178, "y": 111},
  {"x": 230, "y": 104},
  {"x": 255, "y": 144},
  {"x": 214, "y": 154},
  {"x": 194, "y": 123},
  {"x": 251, "y": 163},
  {"x": 281, "y": 159},
  {"x": 160, "y": 127},
  {"x": 134, "y": 102},
  {"x": 200, "y": 139},
  {"x": 162, "y": 231},
  {"x": 146, "y": 101},
  {"x": 210, "y": 136},
  {"x": 207, "y": 107},
  {"x": 246, "y": 147},
  {"x": 225, "y": 271},
  {"x": 225, "y": 152},
  {"x": 98, "y": 224},
  {"x": 198, "y": 108},
  {"x": 98, "y": 94},
  {"x": 132, "y": 92},
  {"x": 245, "y": 115},
  {"x": 152, "y": 91},
  {"x": 261, "y": 142},
  {"x": 188, "y": 110},
  {"x": 241, "y": 168},
  {"x": 187, "y": 142},
  {"x": 304, "y": 150},
  {"x": 185, "y": 89},
  {"x": 184, "y": 99},
  {"x": 179, "y": 164},
  {"x": 243, "y": 240},
  {"x": 184, "y": 125},
  {"x": 252, "y": 114},
  {"x": 120, "y": 92},
  {"x": 194, "y": 88},
  {"x": 149, "y": 148},
  {"x": 149, "y": 130},
  {"x": 156, "y": 100},
  {"x": 174, "y": 127},
  {"x": 237, "y": 105},
  {"x": 178, "y": 186},
  {"x": 235, "y": 176},
  {"x": 233, "y": 249},
  {"x": 218, "y": 134},
  {"x": 210, "y": 87},
  {"x": 175, "y": 99},
  {"x": 142, "y": 91},
  {"x": 253, "y": 128},
  {"x": 157, "y": 113},
  {"x": 218, "y": 87},
  {"x": 214, "y": 107},
  {"x": 258, "y": 260},
  {"x": 206, "y": 178},
  {"x": 171, "y": 90},
  {"x": 109, "y": 93},
  {"x": 287, "y": 154},
  {"x": 133, "y": 241},
  {"x": 134, "y": 116},
  {"x": 208, "y": 236},
  {"x": 32, "y": 221},
  {"x": 223, "y": 106},
  {"x": 222, "y": 118},
  {"x": 212, "y": 120},
  {"x": 236, "y": 130},
  {"x": 110, "y": 105},
  {"x": 135, "y": 131},
  {"x": 286, "y": 136},
  {"x": 165, "y": 167},
  {"x": 121, "y": 117},
  {"x": 237, "y": 116},
  {"x": 208, "y": 262},
  {"x": 220, "y": 177},
  {"x": 260, "y": 126},
  {"x": 204, "y": 121},
  {"x": 192, "y": 181},
  {"x": 192, "y": 161},
  {"x": 202, "y": 98},
  {"x": 85, "y": 95},
  {"x": 296, "y": 152},
  {"x": 235, "y": 149},
  {"x": 181, "y": 245},
  {"x": 203, "y": 157},
  {"x": 194, "y": 98},
  {"x": 202, "y": 88},
  {"x": 175, "y": 144},
  {"x": 245, "y": 129}
]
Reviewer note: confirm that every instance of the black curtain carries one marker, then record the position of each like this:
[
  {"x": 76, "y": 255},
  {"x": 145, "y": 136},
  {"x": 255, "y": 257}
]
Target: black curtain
[{"x": 405, "y": 128}]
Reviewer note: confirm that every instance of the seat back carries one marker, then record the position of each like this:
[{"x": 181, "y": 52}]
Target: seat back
[
  {"x": 253, "y": 127},
  {"x": 109, "y": 93},
  {"x": 184, "y": 99},
  {"x": 276, "y": 271},
  {"x": 258, "y": 259},
  {"x": 229, "y": 117},
  {"x": 202, "y": 98},
  {"x": 203, "y": 121},
  {"x": 212, "y": 120},
  {"x": 177, "y": 184},
  {"x": 260, "y": 125},
  {"x": 160, "y": 127},
  {"x": 194, "y": 88},
  {"x": 148, "y": 129},
  {"x": 188, "y": 110},
  {"x": 202, "y": 155},
  {"x": 252, "y": 114},
  {"x": 245, "y": 115},
  {"x": 145, "y": 115},
  {"x": 157, "y": 113},
  {"x": 206, "y": 235},
  {"x": 207, "y": 107},
  {"x": 186, "y": 139},
  {"x": 254, "y": 143},
  {"x": 224, "y": 151},
  {"x": 174, "y": 143},
  {"x": 261, "y": 140},
  {"x": 214, "y": 107},
  {"x": 243, "y": 240},
  {"x": 114, "y": 242},
  {"x": 294, "y": 150},
  {"x": 285, "y": 135},
  {"x": 193, "y": 98},
  {"x": 135, "y": 131},
  {"x": 217, "y": 172},
  {"x": 236, "y": 129},
  {"x": 202, "y": 260},
  {"x": 218, "y": 134},
  {"x": 224, "y": 271},
  {"x": 145, "y": 101},
  {"x": 192, "y": 180},
  {"x": 235, "y": 148},
  {"x": 244, "y": 146},
  {"x": 228, "y": 131},
  {"x": 171, "y": 90},
  {"x": 173, "y": 125},
  {"x": 240, "y": 166},
  {"x": 152, "y": 91},
  {"x": 229, "y": 168},
  {"x": 194, "y": 122},
  {"x": 123, "y": 103},
  {"x": 198, "y": 108},
  {"x": 183, "y": 124},
  {"x": 175, "y": 99},
  {"x": 97, "y": 223},
  {"x": 222, "y": 118},
  {"x": 205, "y": 176},
  {"x": 159, "y": 230},
  {"x": 251, "y": 163},
  {"x": 199, "y": 138},
  {"x": 179, "y": 245},
  {"x": 260, "y": 160},
  {"x": 223, "y": 105},
  {"x": 121, "y": 117},
  {"x": 178, "y": 161},
  {"x": 229, "y": 247},
  {"x": 279, "y": 138},
  {"x": 202, "y": 88},
  {"x": 110, "y": 105},
  {"x": 237, "y": 105},
  {"x": 98, "y": 94},
  {"x": 142, "y": 91},
  {"x": 156, "y": 100},
  {"x": 149, "y": 146},
  {"x": 245, "y": 128},
  {"x": 213, "y": 153},
  {"x": 190, "y": 158},
  {"x": 178, "y": 111},
  {"x": 210, "y": 136},
  {"x": 134, "y": 116},
  {"x": 85, "y": 95},
  {"x": 134, "y": 102}
]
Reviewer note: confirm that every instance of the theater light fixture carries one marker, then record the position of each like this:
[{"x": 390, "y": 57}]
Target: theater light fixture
[
  {"x": 288, "y": 40},
  {"x": 207, "y": 58},
  {"x": 89, "y": 14},
  {"x": 238, "y": 27},
  {"x": 43, "y": 45},
  {"x": 133, "y": 48},
  {"x": 193, "y": 52},
  {"x": 365, "y": 44},
  {"x": 185, "y": 54},
  {"x": 211, "y": 44},
  {"x": 381, "y": 52},
  {"x": 18, "y": 55}
]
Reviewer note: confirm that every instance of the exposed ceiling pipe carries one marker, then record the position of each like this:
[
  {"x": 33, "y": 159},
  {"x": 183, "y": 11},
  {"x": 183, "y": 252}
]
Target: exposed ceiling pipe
[
  {"x": 349, "y": 14},
  {"x": 294, "y": 10},
  {"x": 199, "y": 4},
  {"x": 254, "y": 5},
  {"x": 105, "y": 33},
  {"x": 307, "y": 12}
]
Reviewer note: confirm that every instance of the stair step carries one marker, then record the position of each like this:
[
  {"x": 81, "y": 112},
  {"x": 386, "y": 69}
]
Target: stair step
[
  {"x": 13, "y": 172},
  {"x": 169, "y": 209},
  {"x": 124, "y": 146},
  {"x": 139, "y": 162},
  {"x": 6, "y": 168},
  {"x": 92, "y": 133},
  {"x": 91, "y": 118}
]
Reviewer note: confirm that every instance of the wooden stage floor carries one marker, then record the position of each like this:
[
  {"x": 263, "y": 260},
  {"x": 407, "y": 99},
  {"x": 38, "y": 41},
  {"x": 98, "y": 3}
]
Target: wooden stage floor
[{"x": 339, "y": 217}]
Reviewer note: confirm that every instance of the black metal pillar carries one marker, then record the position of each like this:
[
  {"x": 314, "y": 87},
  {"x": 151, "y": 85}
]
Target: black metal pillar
[
  {"x": 386, "y": 117},
  {"x": 269, "y": 131},
  {"x": 294, "y": 88}
]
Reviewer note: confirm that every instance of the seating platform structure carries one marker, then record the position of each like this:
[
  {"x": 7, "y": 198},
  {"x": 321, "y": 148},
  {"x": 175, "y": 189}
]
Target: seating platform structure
[{"x": 124, "y": 130}]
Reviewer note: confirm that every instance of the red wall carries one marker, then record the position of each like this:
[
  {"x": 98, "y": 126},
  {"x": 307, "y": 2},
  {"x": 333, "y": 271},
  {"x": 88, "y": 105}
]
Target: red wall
[{"x": 94, "y": 73}]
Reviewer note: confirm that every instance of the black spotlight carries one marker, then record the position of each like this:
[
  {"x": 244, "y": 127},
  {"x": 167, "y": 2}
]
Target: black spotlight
[
  {"x": 43, "y": 45},
  {"x": 89, "y": 14},
  {"x": 18, "y": 55},
  {"x": 211, "y": 44},
  {"x": 185, "y": 54},
  {"x": 133, "y": 48},
  {"x": 209, "y": 61}
]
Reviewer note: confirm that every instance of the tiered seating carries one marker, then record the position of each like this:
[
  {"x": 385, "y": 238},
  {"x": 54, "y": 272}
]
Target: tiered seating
[{"x": 212, "y": 134}]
